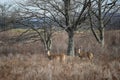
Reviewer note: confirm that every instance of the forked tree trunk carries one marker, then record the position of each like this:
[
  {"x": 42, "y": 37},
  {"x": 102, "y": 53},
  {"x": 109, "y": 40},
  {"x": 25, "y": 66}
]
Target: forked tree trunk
[
  {"x": 70, "y": 50},
  {"x": 99, "y": 36},
  {"x": 48, "y": 45}
]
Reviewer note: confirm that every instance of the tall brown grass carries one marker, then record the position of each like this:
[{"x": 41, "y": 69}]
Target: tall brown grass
[{"x": 28, "y": 61}]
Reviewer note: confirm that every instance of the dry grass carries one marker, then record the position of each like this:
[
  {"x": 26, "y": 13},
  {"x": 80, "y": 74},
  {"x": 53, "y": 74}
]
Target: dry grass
[
  {"x": 20, "y": 61},
  {"x": 38, "y": 67}
]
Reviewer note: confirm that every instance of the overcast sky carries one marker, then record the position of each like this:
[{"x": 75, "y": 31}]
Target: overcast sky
[
  {"x": 13, "y": 1},
  {"x": 5, "y": 1},
  {"x": 10, "y": 1}
]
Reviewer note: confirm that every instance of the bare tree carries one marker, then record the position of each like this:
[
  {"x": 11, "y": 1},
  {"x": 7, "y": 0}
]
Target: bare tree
[
  {"x": 100, "y": 13},
  {"x": 43, "y": 25},
  {"x": 45, "y": 33},
  {"x": 67, "y": 14}
]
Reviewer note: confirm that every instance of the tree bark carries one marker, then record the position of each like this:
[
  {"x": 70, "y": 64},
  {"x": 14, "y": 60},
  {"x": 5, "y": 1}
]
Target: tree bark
[
  {"x": 70, "y": 50},
  {"x": 102, "y": 31}
]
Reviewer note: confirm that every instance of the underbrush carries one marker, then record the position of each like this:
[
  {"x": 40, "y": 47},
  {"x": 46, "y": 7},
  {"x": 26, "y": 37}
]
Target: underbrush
[{"x": 38, "y": 67}]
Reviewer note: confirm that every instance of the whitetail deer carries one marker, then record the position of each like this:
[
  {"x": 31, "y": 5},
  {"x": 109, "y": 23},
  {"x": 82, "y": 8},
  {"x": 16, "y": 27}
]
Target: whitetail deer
[
  {"x": 59, "y": 57},
  {"x": 83, "y": 54}
]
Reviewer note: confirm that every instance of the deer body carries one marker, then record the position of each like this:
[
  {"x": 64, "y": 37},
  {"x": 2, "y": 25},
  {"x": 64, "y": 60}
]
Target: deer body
[
  {"x": 83, "y": 54},
  {"x": 59, "y": 57}
]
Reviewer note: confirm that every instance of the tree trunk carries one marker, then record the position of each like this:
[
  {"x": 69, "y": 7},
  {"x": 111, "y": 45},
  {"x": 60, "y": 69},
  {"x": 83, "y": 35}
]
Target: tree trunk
[
  {"x": 70, "y": 50},
  {"x": 102, "y": 29},
  {"x": 101, "y": 24},
  {"x": 102, "y": 35}
]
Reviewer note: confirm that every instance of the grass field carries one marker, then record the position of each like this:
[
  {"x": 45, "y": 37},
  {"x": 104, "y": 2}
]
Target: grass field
[{"x": 26, "y": 60}]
